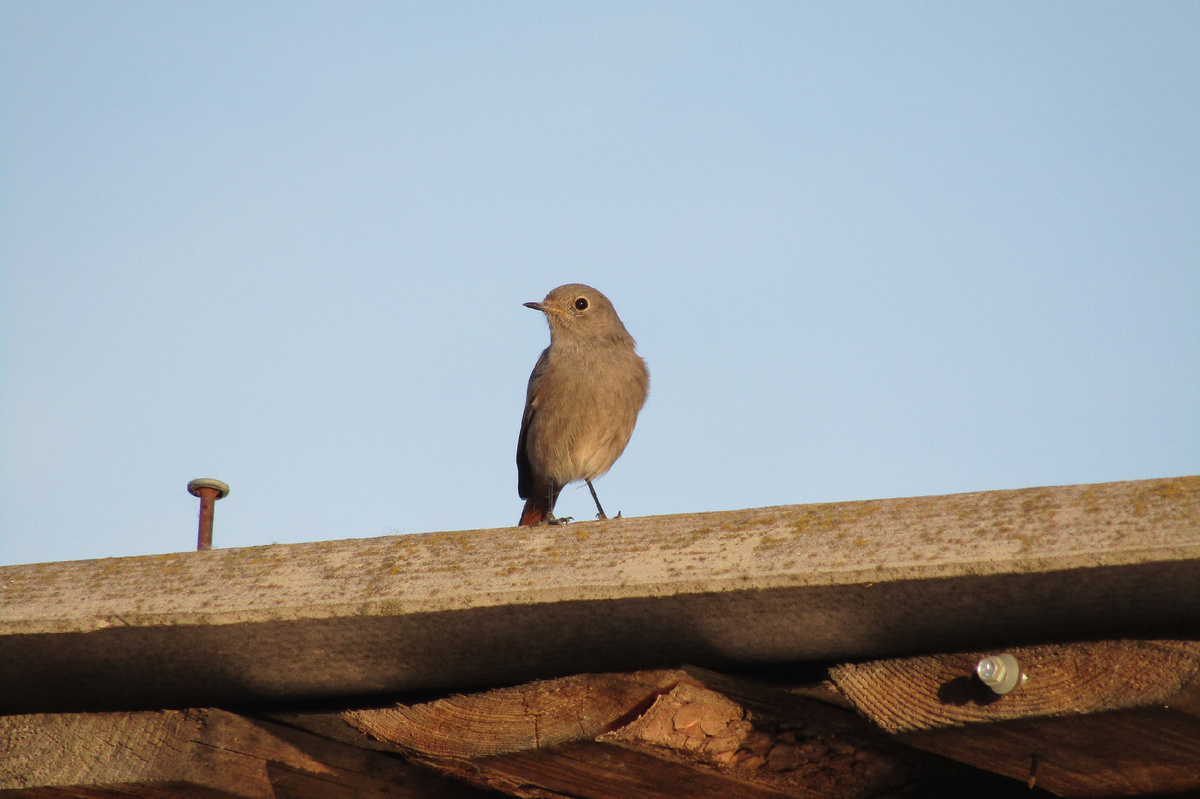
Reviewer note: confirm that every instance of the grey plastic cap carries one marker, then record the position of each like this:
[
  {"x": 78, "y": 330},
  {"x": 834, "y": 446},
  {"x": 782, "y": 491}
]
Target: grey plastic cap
[{"x": 1001, "y": 673}]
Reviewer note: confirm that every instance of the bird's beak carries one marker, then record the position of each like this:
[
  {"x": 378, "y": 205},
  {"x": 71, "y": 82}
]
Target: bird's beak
[{"x": 537, "y": 306}]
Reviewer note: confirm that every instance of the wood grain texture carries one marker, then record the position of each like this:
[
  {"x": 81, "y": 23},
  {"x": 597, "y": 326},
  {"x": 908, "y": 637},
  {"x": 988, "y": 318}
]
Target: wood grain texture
[
  {"x": 1109, "y": 718},
  {"x": 1148, "y": 751},
  {"x": 932, "y": 691},
  {"x": 536, "y": 715},
  {"x": 689, "y": 732},
  {"x": 596, "y": 771},
  {"x": 197, "y": 753},
  {"x": 131, "y": 749}
]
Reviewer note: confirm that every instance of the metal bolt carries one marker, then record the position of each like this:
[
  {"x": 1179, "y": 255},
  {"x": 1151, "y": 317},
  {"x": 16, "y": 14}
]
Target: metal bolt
[
  {"x": 1001, "y": 673},
  {"x": 209, "y": 491}
]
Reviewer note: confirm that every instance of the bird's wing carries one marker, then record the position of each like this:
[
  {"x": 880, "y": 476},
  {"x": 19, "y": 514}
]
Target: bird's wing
[{"x": 525, "y": 481}]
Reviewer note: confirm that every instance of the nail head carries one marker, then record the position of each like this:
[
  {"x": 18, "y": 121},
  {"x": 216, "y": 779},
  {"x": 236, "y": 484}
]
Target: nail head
[{"x": 207, "y": 482}]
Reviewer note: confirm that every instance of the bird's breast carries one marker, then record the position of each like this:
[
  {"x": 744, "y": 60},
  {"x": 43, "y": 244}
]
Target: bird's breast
[{"x": 586, "y": 411}]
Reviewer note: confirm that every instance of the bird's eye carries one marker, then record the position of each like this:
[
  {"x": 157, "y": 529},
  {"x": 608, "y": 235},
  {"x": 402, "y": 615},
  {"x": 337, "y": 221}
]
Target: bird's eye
[{"x": 581, "y": 304}]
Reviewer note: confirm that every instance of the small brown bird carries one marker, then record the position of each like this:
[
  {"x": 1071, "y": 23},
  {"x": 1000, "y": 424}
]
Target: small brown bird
[{"x": 582, "y": 402}]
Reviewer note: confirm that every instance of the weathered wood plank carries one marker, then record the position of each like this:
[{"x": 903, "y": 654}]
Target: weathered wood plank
[
  {"x": 1093, "y": 719},
  {"x": 596, "y": 771},
  {"x": 1150, "y": 751},
  {"x": 929, "y": 691},
  {"x": 670, "y": 733},
  {"x": 197, "y": 753},
  {"x": 124, "y": 749},
  {"x": 458, "y": 611},
  {"x": 536, "y": 715}
]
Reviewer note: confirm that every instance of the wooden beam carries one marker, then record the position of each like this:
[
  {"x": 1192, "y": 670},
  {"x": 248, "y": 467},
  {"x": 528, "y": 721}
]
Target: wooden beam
[
  {"x": 931, "y": 691},
  {"x": 198, "y": 753},
  {"x": 471, "y": 610},
  {"x": 1150, "y": 752},
  {"x": 1092, "y": 719},
  {"x": 659, "y": 734},
  {"x": 536, "y": 715}
]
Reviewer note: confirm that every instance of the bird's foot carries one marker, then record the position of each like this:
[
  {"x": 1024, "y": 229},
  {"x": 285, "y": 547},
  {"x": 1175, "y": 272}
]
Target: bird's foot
[{"x": 559, "y": 519}]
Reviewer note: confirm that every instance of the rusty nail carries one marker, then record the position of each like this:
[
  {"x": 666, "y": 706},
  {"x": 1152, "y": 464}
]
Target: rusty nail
[{"x": 209, "y": 492}]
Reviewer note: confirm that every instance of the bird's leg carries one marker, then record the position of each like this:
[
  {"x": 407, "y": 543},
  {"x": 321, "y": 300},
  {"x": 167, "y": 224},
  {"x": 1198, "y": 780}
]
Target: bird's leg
[
  {"x": 599, "y": 515},
  {"x": 552, "y": 497}
]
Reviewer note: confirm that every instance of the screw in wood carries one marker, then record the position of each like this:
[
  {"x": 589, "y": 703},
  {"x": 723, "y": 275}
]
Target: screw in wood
[
  {"x": 1001, "y": 673},
  {"x": 209, "y": 491}
]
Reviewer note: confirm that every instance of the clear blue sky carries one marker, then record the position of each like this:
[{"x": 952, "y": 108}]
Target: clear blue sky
[{"x": 868, "y": 250}]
